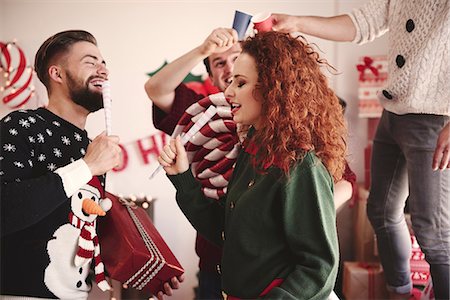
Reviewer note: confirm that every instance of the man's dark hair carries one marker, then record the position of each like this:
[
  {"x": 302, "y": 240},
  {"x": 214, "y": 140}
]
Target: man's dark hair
[
  {"x": 207, "y": 65},
  {"x": 55, "y": 45}
]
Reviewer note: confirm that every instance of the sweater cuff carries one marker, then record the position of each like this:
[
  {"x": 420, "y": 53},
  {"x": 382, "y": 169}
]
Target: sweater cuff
[
  {"x": 357, "y": 39},
  {"x": 183, "y": 182},
  {"x": 74, "y": 176}
]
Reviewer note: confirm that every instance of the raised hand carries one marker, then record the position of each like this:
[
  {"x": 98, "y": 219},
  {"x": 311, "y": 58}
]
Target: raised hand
[
  {"x": 174, "y": 158},
  {"x": 220, "y": 40},
  {"x": 441, "y": 157},
  {"x": 103, "y": 154},
  {"x": 285, "y": 23}
]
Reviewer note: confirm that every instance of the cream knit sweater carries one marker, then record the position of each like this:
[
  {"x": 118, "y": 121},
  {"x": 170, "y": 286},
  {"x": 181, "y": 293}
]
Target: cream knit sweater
[{"x": 419, "y": 41}]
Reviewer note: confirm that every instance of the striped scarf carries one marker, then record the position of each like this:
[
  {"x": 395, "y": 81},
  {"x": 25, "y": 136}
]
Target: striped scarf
[{"x": 89, "y": 247}]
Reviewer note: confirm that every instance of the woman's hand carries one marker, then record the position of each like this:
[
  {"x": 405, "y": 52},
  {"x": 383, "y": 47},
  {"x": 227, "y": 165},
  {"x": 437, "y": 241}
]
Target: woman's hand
[
  {"x": 285, "y": 23},
  {"x": 173, "y": 158},
  {"x": 441, "y": 158}
]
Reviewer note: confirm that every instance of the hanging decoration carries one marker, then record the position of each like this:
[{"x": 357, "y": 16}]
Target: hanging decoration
[
  {"x": 16, "y": 82},
  {"x": 189, "y": 77}
]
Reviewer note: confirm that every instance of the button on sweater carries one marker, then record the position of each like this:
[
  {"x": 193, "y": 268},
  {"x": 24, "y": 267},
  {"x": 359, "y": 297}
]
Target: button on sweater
[
  {"x": 277, "y": 229},
  {"x": 418, "y": 52}
]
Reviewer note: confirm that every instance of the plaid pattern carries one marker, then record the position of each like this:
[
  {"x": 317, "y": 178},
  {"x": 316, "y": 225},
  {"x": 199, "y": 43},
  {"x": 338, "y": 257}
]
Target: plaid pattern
[{"x": 213, "y": 150}]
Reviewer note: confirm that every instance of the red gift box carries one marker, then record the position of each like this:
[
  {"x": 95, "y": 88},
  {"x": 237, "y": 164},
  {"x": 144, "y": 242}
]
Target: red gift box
[
  {"x": 372, "y": 125},
  {"x": 372, "y": 77},
  {"x": 132, "y": 250},
  {"x": 364, "y": 236},
  {"x": 363, "y": 281}
]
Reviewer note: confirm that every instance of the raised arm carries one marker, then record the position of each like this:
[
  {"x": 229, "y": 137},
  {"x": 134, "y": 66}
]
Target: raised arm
[
  {"x": 161, "y": 87},
  {"x": 360, "y": 26},
  {"x": 28, "y": 194},
  {"x": 337, "y": 28}
]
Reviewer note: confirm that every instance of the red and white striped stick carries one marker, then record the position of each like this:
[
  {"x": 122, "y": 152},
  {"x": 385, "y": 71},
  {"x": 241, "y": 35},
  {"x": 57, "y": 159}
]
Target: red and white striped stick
[
  {"x": 106, "y": 91},
  {"x": 207, "y": 115}
]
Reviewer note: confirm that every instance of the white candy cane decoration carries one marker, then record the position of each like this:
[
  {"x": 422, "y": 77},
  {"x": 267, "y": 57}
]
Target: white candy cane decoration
[
  {"x": 207, "y": 115},
  {"x": 106, "y": 91},
  {"x": 18, "y": 87}
]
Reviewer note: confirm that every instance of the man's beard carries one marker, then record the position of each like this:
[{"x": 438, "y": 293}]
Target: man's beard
[{"x": 82, "y": 95}]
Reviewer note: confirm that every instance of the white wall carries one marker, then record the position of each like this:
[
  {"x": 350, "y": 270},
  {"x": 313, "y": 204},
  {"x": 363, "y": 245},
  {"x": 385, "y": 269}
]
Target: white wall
[{"x": 135, "y": 37}]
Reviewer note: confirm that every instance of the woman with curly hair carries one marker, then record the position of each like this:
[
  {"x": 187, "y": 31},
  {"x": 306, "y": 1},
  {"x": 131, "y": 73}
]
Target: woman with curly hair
[{"x": 277, "y": 223}]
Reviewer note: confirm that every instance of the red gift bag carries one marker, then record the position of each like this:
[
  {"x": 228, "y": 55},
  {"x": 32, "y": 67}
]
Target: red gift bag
[{"x": 132, "y": 250}]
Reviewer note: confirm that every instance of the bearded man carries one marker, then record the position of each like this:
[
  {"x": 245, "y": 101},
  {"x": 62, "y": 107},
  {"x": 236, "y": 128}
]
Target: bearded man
[{"x": 47, "y": 163}]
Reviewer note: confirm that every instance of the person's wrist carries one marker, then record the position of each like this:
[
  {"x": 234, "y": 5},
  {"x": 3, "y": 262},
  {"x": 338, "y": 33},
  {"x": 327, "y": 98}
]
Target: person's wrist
[
  {"x": 183, "y": 169},
  {"x": 90, "y": 166},
  {"x": 298, "y": 23},
  {"x": 203, "y": 50}
]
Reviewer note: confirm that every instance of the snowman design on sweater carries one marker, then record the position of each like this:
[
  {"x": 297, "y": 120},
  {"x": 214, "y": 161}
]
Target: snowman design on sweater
[
  {"x": 65, "y": 274},
  {"x": 36, "y": 230}
]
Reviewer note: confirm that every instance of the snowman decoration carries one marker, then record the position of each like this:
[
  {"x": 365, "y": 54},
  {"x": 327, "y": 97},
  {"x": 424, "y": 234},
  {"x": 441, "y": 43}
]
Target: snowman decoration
[{"x": 75, "y": 245}]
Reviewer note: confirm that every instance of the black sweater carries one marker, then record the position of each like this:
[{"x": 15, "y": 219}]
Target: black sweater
[{"x": 34, "y": 204}]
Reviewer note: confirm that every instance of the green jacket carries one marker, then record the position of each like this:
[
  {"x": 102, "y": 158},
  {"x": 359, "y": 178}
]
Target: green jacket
[{"x": 271, "y": 228}]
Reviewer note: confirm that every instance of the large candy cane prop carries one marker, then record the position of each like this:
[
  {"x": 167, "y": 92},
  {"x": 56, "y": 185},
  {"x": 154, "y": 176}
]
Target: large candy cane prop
[
  {"x": 106, "y": 91},
  {"x": 207, "y": 115}
]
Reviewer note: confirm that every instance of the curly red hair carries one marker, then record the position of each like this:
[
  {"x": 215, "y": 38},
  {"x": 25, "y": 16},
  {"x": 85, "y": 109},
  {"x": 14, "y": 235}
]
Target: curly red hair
[{"x": 302, "y": 113}]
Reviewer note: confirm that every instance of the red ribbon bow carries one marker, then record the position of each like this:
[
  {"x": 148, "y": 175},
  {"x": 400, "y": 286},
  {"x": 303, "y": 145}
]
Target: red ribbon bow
[{"x": 367, "y": 65}]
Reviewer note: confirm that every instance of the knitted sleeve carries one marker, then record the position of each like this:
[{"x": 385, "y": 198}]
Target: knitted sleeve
[
  {"x": 371, "y": 20},
  {"x": 25, "y": 198},
  {"x": 310, "y": 231},
  {"x": 206, "y": 215},
  {"x": 184, "y": 97}
]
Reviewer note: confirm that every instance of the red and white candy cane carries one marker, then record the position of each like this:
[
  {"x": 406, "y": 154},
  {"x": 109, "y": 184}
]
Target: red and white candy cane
[
  {"x": 213, "y": 150},
  {"x": 106, "y": 92},
  {"x": 18, "y": 88},
  {"x": 202, "y": 119}
]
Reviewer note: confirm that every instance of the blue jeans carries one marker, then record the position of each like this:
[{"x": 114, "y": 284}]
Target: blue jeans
[
  {"x": 209, "y": 286},
  {"x": 401, "y": 165}
]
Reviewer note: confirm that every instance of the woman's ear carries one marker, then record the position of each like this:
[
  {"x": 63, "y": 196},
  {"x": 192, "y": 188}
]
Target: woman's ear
[{"x": 54, "y": 73}]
